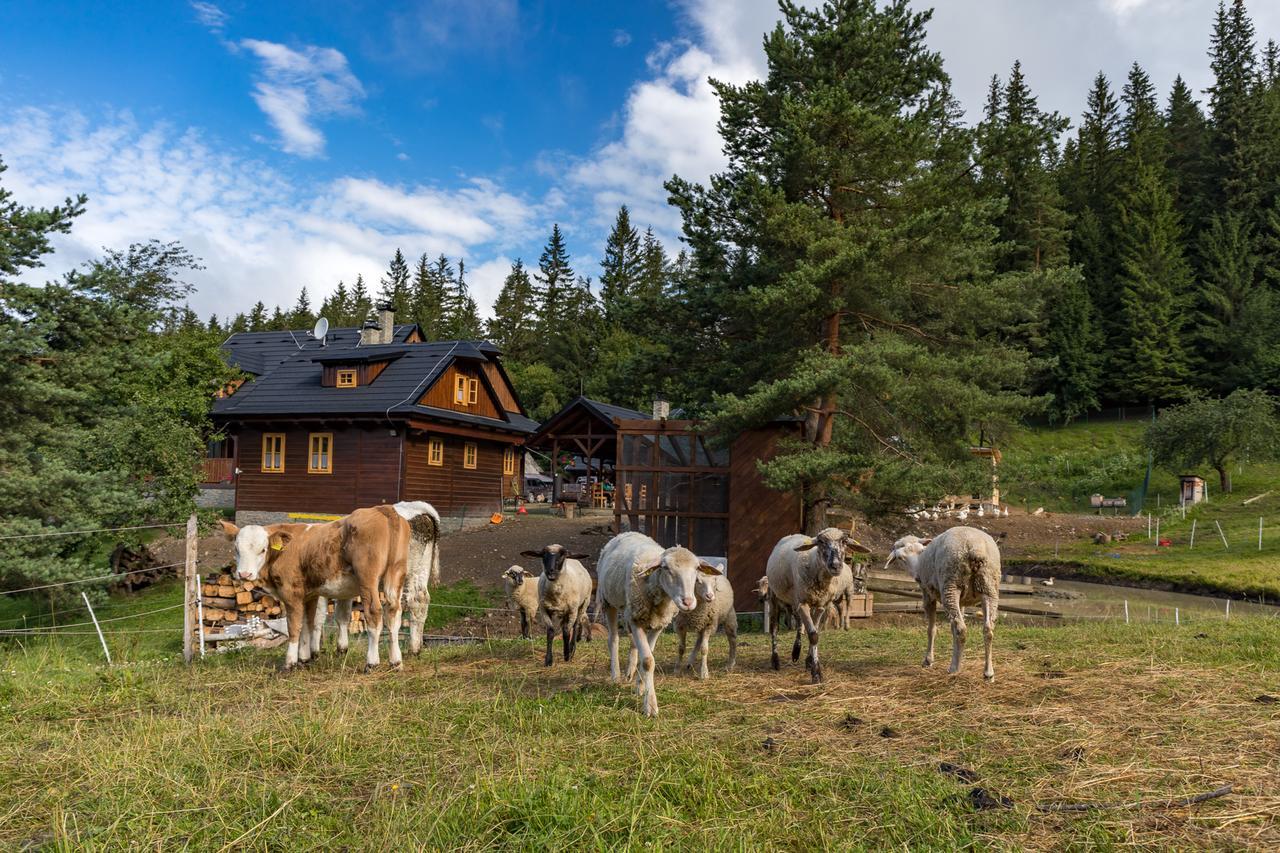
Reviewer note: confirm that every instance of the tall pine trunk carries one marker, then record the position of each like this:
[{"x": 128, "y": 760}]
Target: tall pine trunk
[{"x": 817, "y": 500}]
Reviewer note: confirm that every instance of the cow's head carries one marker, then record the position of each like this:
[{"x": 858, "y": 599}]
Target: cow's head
[
  {"x": 515, "y": 574},
  {"x": 906, "y": 554},
  {"x": 256, "y": 548},
  {"x": 677, "y": 571},
  {"x": 833, "y": 544},
  {"x": 553, "y": 557}
]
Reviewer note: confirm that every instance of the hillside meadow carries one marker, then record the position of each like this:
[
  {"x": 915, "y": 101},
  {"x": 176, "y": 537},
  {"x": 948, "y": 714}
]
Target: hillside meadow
[{"x": 479, "y": 747}]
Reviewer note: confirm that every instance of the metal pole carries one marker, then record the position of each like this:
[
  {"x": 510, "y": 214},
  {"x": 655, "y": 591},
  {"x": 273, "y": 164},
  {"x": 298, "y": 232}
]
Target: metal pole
[
  {"x": 188, "y": 590},
  {"x": 1177, "y": 620},
  {"x": 1193, "y": 532},
  {"x": 1259, "y": 533},
  {"x": 1157, "y": 533},
  {"x": 1228, "y": 609},
  {"x": 96, "y": 627},
  {"x": 1126, "y": 611},
  {"x": 1223, "y": 535}
]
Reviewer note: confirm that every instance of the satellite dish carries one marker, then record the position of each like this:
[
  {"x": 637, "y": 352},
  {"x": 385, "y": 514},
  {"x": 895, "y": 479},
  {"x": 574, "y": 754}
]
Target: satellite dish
[{"x": 321, "y": 329}]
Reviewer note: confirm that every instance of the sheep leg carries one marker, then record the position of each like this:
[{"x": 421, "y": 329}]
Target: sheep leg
[
  {"x": 644, "y": 675},
  {"x": 704, "y": 645},
  {"x": 811, "y": 660},
  {"x": 773, "y": 641},
  {"x": 731, "y": 631},
  {"x": 524, "y": 626},
  {"x": 681, "y": 634},
  {"x": 990, "y": 606},
  {"x": 584, "y": 623},
  {"x": 342, "y": 615},
  {"x": 611, "y": 623},
  {"x": 567, "y": 636},
  {"x": 931, "y": 615},
  {"x": 551, "y": 639},
  {"x": 958, "y": 630}
]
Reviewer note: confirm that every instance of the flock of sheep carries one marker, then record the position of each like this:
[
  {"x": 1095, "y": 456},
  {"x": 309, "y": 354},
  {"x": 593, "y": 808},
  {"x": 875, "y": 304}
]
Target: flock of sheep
[{"x": 643, "y": 588}]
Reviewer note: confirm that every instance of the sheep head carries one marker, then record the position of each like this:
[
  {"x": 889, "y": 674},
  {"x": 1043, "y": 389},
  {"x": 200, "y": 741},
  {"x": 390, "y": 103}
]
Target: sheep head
[
  {"x": 515, "y": 574},
  {"x": 553, "y": 557},
  {"x": 677, "y": 570},
  {"x": 906, "y": 554},
  {"x": 833, "y": 544}
]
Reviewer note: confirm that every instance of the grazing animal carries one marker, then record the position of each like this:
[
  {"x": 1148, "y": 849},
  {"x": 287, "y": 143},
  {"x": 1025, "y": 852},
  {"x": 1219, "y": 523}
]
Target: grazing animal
[
  {"x": 365, "y": 553},
  {"x": 851, "y": 582},
  {"x": 647, "y": 585},
  {"x": 564, "y": 591},
  {"x": 803, "y": 574},
  {"x": 959, "y": 567},
  {"x": 714, "y": 610},
  {"x": 522, "y": 595}
]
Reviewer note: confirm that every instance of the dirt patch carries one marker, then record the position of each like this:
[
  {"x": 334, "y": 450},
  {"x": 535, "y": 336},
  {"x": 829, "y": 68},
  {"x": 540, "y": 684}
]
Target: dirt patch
[{"x": 482, "y": 554}]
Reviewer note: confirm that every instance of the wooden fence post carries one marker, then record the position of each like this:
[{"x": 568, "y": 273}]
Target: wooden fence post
[{"x": 189, "y": 590}]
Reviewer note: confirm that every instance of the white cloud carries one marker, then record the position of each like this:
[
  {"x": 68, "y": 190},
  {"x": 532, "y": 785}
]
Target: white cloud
[
  {"x": 297, "y": 87},
  {"x": 1122, "y": 8},
  {"x": 260, "y": 235},
  {"x": 621, "y": 38},
  {"x": 210, "y": 16}
]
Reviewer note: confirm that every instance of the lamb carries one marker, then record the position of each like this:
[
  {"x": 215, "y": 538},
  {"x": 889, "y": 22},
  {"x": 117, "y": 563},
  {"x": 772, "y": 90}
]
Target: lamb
[
  {"x": 958, "y": 567},
  {"x": 803, "y": 572},
  {"x": 522, "y": 596},
  {"x": 714, "y": 609},
  {"x": 850, "y": 582},
  {"x": 647, "y": 584},
  {"x": 564, "y": 591}
]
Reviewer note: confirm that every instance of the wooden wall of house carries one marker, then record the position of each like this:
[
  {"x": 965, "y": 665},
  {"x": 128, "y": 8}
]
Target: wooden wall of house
[
  {"x": 440, "y": 395},
  {"x": 453, "y": 489},
  {"x": 758, "y": 515},
  {"x": 366, "y": 471},
  {"x": 505, "y": 396}
]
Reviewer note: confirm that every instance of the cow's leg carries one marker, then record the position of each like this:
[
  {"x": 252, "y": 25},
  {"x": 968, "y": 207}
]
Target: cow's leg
[
  {"x": 644, "y": 674},
  {"x": 811, "y": 660},
  {"x": 610, "y": 615},
  {"x": 295, "y": 620},
  {"x": 931, "y": 618},
  {"x": 419, "y": 605},
  {"x": 395, "y": 614},
  {"x": 342, "y": 615},
  {"x": 990, "y": 606},
  {"x": 958, "y": 630},
  {"x": 773, "y": 640},
  {"x": 373, "y": 624},
  {"x": 319, "y": 615},
  {"x": 731, "y": 632}
]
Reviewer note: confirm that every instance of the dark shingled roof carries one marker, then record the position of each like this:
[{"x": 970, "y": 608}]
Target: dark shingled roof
[
  {"x": 606, "y": 412},
  {"x": 288, "y": 376}
]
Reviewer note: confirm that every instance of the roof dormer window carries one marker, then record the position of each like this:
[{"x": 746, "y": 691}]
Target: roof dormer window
[{"x": 346, "y": 378}]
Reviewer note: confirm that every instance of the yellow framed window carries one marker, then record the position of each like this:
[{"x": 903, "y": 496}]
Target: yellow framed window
[
  {"x": 469, "y": 454},
  {"x": 435, "y": 451},
  {"x": 346, "y": 379},
  {"x": 273, "y": 453},
  {"x": 320, "y": 453},
  {"x": 460, "y": 390},
  {"x": 509, "y": 461},
  {"x": 473, "y": 391}
]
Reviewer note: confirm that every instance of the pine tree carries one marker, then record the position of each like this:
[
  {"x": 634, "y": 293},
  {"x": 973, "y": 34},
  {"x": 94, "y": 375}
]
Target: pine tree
[
  {"x": 215, "y": 327},
  {"x": 846, "y": 165},
  {"x": 1233, "y": 108},
  {"x": 429, "y": 295},
  {"x": 514, "y": 314},
  {"x": 570, "y": 352},
  {"x": 395, "y": 285},
  {"x": 554, "y": 278},
  {"x": 336, "y": 308},
  {"x": 361, "y": 304},
  {"x": 1075, "y": 342},
  {"x": 1155, "y": 282},
  {"x": 1188, "y": 134},
  {"x": 301, "y": 317},
  {"x": 258, "y": 318},
  {"x": 621, "y": 271},
  {"x": 1143, "y": 125},
  {"x": 461, "y": 317},
  {"x": 652, "y": 287},
  {"x": 278, "y": 322},
  {"x": 1231, "y": 309}
]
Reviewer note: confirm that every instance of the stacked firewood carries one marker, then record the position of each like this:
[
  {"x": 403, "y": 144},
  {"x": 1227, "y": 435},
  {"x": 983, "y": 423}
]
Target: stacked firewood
[
  {"x": 137, "y": 568},
  {"x": 229, "y": 601}
]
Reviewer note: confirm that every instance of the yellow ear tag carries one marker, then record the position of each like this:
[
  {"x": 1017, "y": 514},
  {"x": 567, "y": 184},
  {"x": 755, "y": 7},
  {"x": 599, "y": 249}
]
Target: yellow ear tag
[{"x": 276, "y": 546}]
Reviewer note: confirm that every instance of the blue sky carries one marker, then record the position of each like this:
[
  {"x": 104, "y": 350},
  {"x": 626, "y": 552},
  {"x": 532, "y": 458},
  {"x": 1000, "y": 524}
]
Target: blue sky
[{"x": 300, "y": 143}]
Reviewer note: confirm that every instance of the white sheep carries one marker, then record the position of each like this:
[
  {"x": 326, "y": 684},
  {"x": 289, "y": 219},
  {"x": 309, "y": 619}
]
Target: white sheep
[
  {"x": 522, "y": 595},
  {"x": 647, "y": 585},
  {"x": 714, "y": 609},
  {"x": 959, "y": 567},
  {"x": 803, "y": 572},
  {"x": 850, "y": 582},
  {"x": 564, "y": 591}
]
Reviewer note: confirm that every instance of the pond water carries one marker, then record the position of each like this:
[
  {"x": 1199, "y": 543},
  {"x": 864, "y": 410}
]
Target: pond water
[{"x": 1082, "y": 600}]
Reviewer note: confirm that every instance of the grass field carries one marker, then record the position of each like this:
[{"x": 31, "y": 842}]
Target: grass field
[
  {"x": 1059, "y": 469},
  {"x": 480, "y": 747}
]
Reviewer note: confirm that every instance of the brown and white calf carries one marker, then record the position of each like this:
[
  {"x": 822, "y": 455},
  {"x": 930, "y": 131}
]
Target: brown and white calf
[{"x": 373, "y": 553}]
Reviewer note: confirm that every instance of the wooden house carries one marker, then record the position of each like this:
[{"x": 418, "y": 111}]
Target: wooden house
[
  {"x": 370, "y": 416},
  {"x": 1192, "y": 489}
]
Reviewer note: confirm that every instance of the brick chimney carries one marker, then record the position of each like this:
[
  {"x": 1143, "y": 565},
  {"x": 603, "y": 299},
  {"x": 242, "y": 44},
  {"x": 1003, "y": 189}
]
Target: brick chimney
[
  {"x": 370, "y": 333},
  {"x": 386, "y": 322}
]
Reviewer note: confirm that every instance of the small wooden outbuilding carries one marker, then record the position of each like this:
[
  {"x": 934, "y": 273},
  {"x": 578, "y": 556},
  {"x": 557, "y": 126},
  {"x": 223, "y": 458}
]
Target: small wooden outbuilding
[{"x": 1192, "y": 489}]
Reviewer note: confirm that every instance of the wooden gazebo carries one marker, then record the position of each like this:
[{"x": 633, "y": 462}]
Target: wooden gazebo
[{"x": 586, "y": 428}]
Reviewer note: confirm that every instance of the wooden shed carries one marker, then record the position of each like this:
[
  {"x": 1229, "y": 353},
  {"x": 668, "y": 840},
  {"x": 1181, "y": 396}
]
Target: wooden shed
[{"x": 1192, "y": 489}]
